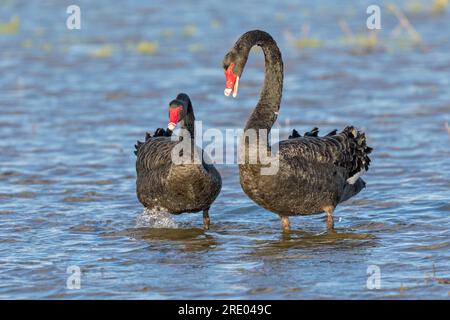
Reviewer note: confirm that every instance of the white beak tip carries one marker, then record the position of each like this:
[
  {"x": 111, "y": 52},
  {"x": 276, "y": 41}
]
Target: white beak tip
[
  {"x": 236, "y": 87},
  {"x": 227, "y": 92},
  {"x": 171, "y": 126}
]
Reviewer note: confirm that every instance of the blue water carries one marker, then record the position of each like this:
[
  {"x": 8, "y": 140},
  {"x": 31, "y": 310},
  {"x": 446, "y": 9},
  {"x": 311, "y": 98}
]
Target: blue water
[{"x": 73, "y": 103}]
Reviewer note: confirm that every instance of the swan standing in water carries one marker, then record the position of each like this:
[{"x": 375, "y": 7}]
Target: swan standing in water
[
  {"x": 163, "y": 185},
  {"x": 315, "y": 173}
]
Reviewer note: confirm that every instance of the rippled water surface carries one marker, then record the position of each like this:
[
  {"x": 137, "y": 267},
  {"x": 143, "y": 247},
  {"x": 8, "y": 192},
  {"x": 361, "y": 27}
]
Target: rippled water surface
[{"x": 73, "y": 103}]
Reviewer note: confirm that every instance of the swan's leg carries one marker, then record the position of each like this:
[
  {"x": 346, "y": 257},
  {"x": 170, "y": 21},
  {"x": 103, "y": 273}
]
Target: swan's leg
[
  {"x": 285, "y": 223},
  {"x": 330, "y": 221},
  {"x": 206, "y": 219}
]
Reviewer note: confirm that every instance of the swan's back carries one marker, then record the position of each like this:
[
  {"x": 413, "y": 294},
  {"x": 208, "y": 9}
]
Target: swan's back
[
  {"x": 174, "y": 187},
  {"x": 314, "y": 172},
  {"x": 347, "y": 150}
]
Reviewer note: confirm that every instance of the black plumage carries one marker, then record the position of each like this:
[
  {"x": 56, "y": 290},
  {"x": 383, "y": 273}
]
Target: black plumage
[
  {"x": 177, "y": 188},
  {"x": 313, "y": 133},
  {"x": 294, "y": 134},
  {"x": 332, "y": 133},
  {"x": 315, "y": 173}
]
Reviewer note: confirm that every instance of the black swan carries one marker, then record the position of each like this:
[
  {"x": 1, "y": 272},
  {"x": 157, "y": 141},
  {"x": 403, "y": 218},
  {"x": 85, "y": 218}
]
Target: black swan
[
  {"x": 315, "y": 173},
  {"x": 177, "y": 188}
]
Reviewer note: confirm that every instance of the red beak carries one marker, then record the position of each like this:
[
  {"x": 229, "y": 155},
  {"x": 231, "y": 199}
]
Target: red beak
[
  {"x": 174, "y": 116},
  {"x": 232, "y": 81}
]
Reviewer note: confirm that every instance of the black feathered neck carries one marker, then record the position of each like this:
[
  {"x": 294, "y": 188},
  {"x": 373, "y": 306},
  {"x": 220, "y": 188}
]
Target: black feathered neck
[
  {"x": 266, "y": 111},
  {"x": 188, "y": 121}
]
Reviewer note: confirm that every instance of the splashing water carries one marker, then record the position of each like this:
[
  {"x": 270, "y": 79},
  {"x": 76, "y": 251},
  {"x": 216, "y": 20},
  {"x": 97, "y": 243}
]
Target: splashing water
[{"x": 155, "y": 218}]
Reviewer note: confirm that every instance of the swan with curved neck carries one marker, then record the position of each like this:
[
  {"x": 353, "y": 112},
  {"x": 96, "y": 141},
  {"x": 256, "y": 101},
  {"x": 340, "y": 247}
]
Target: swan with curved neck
[
  {"x": 315, "y": 173},
  {"x": 163, "y": 184}
]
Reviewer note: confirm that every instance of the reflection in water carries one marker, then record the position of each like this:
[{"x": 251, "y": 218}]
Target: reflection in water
[
  {"x": 185, "y": 239},
  {"x": 290, "y": 241}
]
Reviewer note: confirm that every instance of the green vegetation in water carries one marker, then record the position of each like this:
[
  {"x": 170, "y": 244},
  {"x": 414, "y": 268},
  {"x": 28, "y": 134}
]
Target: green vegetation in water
[
  {"x": 436, "y": 279},
  {"x": 167, "y": 33},
  {"x": 105, "y": 51},
  {"x": 403, "y": 24},
  {"x": 304, "y": 40},
  {"x": 364, "y": 43},
  {"x": 196, "y": 47},
  {"x": 215, "y": 24},
  {"x": 147, "y": 47},
  {"x": 280, "y": 17},
  {"x": 439, "y": 6},
  {"x": 27, "y": 43},
  {"x": 307, "y": 43},
  {"x": 47, "y": 47},
  {"x": 10, "y": 27},
  {"x": 189, "y": 30}
]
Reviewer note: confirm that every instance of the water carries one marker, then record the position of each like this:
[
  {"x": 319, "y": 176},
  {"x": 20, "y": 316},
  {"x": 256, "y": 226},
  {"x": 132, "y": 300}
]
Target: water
[
  {"x": 73, "y": 103},
  {"x": 156, "y": 218}
]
